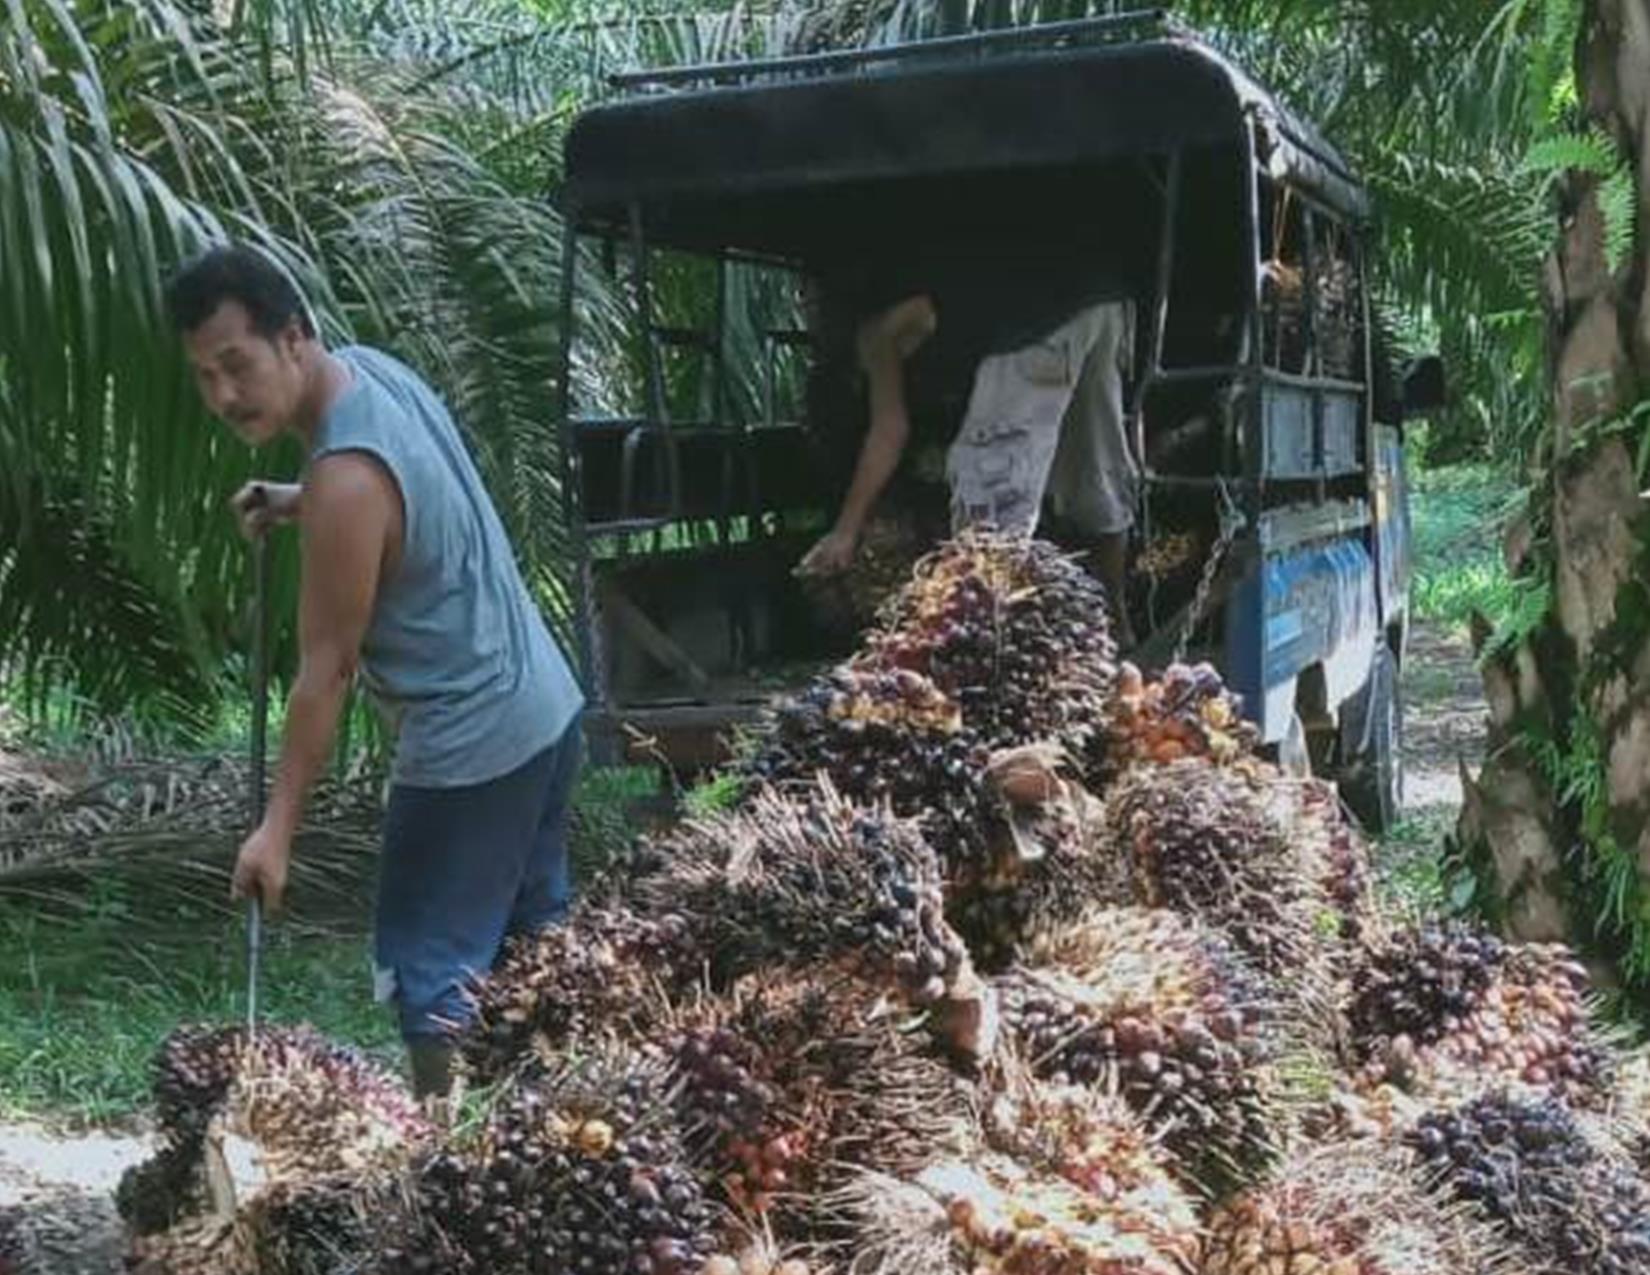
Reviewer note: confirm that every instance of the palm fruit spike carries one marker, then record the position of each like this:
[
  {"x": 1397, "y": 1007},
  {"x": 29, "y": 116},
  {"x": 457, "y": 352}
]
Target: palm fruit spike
[
  {"x": 593, "y": 978},
  {"x": 1017, "y": 632},
  {"x": 1346, "y": 1209},
  {"x": 313, "y": 1107},
  {"x": 1091, "y": 1140},
  {"x": 576, "y": 1169},
  {"x": 1203, "y": 840},
  {"x": 805, "y": 878},
  {"x": 1453, "y": 1010},
  {"x": 1187, "y": 712},
  {"x": 990, "y": 1214},
  {"x": 795, "y": 1074},
  {"x": 1560, "y": 1191},
  {"x": 1163, "y": 1012}
]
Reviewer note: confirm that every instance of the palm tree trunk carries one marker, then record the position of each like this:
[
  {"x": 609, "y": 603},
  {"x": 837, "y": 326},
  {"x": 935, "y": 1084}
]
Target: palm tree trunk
[{"x": 1559, "y": 818}]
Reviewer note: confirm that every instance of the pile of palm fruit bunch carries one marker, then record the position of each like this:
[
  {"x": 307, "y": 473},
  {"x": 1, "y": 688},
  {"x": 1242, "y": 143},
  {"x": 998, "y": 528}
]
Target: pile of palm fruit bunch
[
  {"x": 288, "y": 1136},
  {"x": 1442, "y": 1010},
  {"x": 1005, "y": 961}
]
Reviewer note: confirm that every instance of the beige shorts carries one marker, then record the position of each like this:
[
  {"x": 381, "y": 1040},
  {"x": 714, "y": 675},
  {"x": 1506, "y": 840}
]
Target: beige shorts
[{"x": 1048, "y": 419}]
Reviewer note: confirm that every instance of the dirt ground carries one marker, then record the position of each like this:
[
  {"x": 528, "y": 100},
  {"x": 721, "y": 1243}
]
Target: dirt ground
[
  {"x": 57, "y": 1207},
  {"x": 1444, "y": 720},
  {"x": 57, "y": 1189}
]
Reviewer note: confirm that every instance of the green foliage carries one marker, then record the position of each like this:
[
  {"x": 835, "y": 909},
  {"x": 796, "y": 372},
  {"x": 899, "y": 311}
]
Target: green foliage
[
  {"x": 1457, "y": 515},
  {"x": 715, "y": 795}
]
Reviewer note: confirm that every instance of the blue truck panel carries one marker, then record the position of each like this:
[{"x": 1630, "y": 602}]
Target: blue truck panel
[{"x": 1310, "y": 605}]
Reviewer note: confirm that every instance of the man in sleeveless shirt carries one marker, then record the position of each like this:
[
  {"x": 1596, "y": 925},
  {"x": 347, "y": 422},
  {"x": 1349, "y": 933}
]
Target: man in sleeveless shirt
[
  {"x": 1043, "y": 338},
  {"x": 409, "y": 581}
]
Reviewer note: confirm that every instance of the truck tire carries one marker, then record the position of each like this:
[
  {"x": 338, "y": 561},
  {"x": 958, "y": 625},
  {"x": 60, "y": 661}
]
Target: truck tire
[{"x": 1371, "y": 779}]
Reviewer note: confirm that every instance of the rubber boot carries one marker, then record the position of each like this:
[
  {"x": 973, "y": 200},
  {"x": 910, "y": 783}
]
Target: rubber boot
[{"x": 432, "y": 1068}]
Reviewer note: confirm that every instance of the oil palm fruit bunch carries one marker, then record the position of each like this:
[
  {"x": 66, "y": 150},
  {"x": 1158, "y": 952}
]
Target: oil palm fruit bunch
[
  {"x": 1203, "y": 839},
  {"x": 807, "y": 878},
  {"x": 1345, "y": 1209},
  {"x": 1016, "y": 632},
  {"x": 794, "y": 1074},
  {"x": 596, "y": 976},
  {"x": 883, "y": 734},
  {"x": 1092, "y": 1140},
  {"x": 578, "y": 1168},
  {"x": 310, "y": 1226},
  {"x": 990, "y": 1214},
  {"x": 1312, "y": 809},
  {"x": 1563, "y": 1193},
  {"x": 1149, "y": 1005},
  {"x": 166, "y": 1188},
  {"x": 309, "y": 1107},
  {"x": 1187, "y": 712},
  {"x": 1450, "y": 1009},
  {"x": 313, "y": 1107}
]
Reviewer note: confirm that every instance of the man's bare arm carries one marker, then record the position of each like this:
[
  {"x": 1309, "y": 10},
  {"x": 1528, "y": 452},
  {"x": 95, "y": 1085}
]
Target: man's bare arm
[{"x": 352, "y": 515}]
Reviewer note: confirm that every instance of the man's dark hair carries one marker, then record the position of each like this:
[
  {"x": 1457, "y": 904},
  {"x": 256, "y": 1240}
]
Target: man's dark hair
[{"x": 233, "y": 272}]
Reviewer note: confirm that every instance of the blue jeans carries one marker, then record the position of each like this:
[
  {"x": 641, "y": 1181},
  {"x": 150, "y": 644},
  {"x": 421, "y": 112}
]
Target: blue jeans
[{"x": 463, "y": 869}]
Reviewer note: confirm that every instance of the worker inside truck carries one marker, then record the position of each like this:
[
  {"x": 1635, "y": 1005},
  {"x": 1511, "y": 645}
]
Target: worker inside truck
[{"x": 1041, "y": 342}]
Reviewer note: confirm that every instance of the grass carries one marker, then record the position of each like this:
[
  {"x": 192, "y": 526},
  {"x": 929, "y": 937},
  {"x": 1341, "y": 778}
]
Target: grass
[
  {"x": 82, "y": 1012},
  {"x": 1458, "y": 515}
]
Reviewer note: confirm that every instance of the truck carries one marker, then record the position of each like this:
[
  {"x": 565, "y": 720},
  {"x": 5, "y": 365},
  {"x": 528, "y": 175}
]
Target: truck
[{"x": 1266, "y": 414}]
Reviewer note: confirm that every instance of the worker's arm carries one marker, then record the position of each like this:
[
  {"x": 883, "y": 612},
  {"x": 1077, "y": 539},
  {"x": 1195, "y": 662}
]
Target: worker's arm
[
  {"x": 878, "y": 458},
  {"x": 885, "y": 345},
  {"x": 352, "y": 518}
]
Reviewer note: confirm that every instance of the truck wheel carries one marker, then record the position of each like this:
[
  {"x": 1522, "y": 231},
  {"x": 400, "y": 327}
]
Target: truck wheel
[{"x": 1371, "y": 779}]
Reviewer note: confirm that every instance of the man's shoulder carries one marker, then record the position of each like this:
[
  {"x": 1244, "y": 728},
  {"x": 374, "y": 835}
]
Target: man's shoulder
[{"x": 377, "y": 364}]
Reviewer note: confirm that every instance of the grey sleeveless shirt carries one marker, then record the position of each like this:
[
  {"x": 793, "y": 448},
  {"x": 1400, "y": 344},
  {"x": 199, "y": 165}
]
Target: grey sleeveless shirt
[{"x": 457, "y": 655}]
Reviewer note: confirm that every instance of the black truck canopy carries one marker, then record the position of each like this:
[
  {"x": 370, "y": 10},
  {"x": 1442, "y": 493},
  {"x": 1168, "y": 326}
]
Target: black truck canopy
[{"x": 771, "y": 156}]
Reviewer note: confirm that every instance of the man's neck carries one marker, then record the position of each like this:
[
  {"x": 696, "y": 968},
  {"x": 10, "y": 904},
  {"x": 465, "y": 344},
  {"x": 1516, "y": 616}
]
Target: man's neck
[{"x": 329, "y": 378}]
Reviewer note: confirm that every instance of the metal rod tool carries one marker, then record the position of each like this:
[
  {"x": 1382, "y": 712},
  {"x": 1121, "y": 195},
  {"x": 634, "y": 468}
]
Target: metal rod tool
[{"x": 260, "y": 740}]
